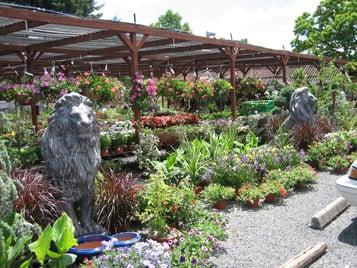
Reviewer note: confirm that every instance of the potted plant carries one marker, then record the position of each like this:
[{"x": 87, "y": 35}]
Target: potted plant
[
  {"x": 251, "y": 196},
  {"x": 217, "y": 195},
  {"x": 118, "y": 143},
  {"x": 157, "y": 201},
  {"x": 105, "y": 144},
  {"x": 339, "y": 164},
  {"x": 270, "y": 190}
]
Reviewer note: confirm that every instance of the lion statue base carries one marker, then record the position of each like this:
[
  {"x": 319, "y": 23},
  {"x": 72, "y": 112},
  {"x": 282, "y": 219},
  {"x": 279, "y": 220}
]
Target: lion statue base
[
  {"x": 71, "y": 150},
  {"x": 302, "y": 108}
]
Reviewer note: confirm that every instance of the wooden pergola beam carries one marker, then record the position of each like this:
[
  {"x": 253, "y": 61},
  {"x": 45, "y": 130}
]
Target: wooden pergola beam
[
  {"x": 19, "y": 26},
  {"x": 72, "y": 40}
]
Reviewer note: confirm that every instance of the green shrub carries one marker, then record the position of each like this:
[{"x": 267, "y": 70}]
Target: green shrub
[
  {"x": 105, "y": 142},
  {"x": 215, "y": 192},
  {"x": 8, "y": 193},
  {"x": 338, "y": 143}
]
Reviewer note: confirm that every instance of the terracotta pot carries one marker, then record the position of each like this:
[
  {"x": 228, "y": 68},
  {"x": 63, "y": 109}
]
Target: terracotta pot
[
  {"x": 119, "y": 150},
  {"x": 341, "y": 171},
  {"x": 252, "y": 204},
  {"x": 299, "y": 186},
  {"x": 165, "y": 239},
  {"x": 104, "y": 153},
  {"x": 283, "y": 192},
  {"x": 220, "y": 204},
  {"x": 270, "y": 198}
]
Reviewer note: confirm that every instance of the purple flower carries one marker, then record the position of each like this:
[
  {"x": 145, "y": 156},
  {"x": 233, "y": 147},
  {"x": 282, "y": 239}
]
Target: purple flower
[
  {"x": 194, "y": 261},
  {"x": 182, "y": 259},
  {"x": 302, "y": 153}
]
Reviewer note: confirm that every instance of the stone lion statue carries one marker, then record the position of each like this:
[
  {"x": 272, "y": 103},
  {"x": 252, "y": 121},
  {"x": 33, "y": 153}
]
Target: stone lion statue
[
  {"x": 71, "y": 150},
  {"x": 302, "y": 108}
]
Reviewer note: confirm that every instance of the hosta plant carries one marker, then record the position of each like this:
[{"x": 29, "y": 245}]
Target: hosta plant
[{"x": 52, "y": 245}]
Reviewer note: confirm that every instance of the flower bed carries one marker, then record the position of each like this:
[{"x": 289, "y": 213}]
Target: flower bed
[{"x": 169, "y": 120}]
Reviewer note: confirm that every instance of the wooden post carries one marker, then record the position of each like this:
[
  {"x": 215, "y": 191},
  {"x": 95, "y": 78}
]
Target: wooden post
[
  {"x": 244, "y": 69},
  {"x": 232, "y": 53},
  {"x": 283, "y": 60},
  {"x": 133, "y": 45},
  {"x": 333, "y": 93},
  {"x": 28, "y": 60}
]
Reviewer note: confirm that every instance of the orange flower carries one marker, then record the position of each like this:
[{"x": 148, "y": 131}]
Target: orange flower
[{"x": 174, "y": 208}]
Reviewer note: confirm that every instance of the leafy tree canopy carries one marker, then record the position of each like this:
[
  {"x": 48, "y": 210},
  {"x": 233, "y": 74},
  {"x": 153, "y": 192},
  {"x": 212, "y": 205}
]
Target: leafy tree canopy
[
  {"x": 83, "y": 8},
  {"x": 330, "y": 31},
  {"x": 172, "y": 20}
]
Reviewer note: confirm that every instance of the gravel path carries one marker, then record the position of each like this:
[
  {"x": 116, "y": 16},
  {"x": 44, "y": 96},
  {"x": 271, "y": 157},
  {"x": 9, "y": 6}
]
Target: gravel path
[{"x": 271, "y": 235}]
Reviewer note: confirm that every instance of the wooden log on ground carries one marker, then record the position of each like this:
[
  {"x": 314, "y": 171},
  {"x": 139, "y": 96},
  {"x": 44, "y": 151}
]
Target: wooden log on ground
[
  {"x": 324, "y": 217},
  {"x": 306, "y": 257}
]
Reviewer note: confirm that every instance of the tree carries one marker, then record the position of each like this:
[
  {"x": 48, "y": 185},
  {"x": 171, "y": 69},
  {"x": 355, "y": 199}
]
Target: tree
[
  {"x": 172, "y": 20},
  {"x": 83, "y": 8},
  {"x": 330, "y": 31}
]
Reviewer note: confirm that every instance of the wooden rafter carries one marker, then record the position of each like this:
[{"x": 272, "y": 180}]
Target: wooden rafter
[{"x": 19, "y": 26}]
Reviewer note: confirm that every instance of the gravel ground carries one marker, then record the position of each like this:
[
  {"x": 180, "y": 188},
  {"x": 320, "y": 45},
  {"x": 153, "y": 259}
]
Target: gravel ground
[{"x": 269, "y": 236}]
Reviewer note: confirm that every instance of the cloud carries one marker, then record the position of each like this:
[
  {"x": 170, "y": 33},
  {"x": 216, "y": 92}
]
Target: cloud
[{"x": 268, "y": 23}]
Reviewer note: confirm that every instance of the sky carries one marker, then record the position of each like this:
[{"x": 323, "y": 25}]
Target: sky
[{"x": 268, "y": 23}]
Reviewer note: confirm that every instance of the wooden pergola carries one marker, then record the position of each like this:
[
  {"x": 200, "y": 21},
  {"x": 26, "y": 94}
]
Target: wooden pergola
[{"x": 32, "y": 39}]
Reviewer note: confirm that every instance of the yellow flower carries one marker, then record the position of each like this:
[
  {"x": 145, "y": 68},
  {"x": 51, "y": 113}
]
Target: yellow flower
[{"x": 10, "y": 134}]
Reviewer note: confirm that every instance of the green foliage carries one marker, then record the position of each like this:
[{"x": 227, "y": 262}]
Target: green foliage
[
  {"x": 193, "y": 159},
  {"x": 289, "y": 178},
  {"x": 157, "y": 200},
  {"x": 230, "y": 170},
  {"x": 172, "y": 20},
  {"x": 162, "y": 204},
  {"x": 8, "y": 193},
  {"x": 338, "y": 162},
  {"x": 61, "y": 234},
  {"x": 199, "y": 241},
  {"x": 250, "y": 193},
  {"x": 300, "y": 78},
  {"x": 251, "y": 141},
  {"x": 215, "y": 192},
  {"x": 329, "y": 31},
  {"x": 225, "y": 114},
  {"x": 11, "y": 249},
  {"x": 83, "y": 8},
  {"x": 105, "y": 142},
  {"x": 270, "y": 187},
  {"x": 147, "y": 150},
  {"x": 282, "y": 100},
  {"x": 275, "y": 158},
  {"x": 250, "y": 88},
  {"x": 338, "y": 143},
  {"x": 21, "y": 143}
]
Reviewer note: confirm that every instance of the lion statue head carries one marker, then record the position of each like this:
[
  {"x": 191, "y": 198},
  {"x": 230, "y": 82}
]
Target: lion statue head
[
  {"x": 302, "y": 108},
  {"x": 71, "y": 150}
]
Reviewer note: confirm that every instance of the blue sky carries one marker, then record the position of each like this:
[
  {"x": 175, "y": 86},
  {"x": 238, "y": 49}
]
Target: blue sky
[{"x": 268, "y": 23}]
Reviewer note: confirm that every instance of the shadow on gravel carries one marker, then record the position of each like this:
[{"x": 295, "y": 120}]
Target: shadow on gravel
[{"x": 349, "y": 235}]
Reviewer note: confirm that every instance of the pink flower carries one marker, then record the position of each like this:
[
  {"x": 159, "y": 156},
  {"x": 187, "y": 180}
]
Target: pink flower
[{"x": 151, "y": 88}]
